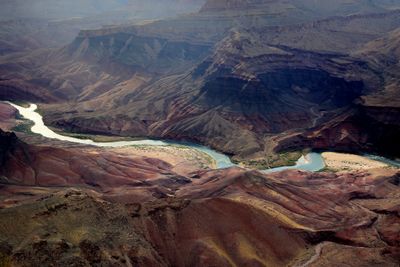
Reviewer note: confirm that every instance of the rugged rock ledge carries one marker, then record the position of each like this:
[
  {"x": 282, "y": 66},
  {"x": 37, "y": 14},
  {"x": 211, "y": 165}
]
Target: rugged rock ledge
[{"x": 79, "y": 211}]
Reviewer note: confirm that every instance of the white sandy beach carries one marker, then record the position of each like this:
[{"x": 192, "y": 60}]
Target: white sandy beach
[{"x": 344, "y": 161}]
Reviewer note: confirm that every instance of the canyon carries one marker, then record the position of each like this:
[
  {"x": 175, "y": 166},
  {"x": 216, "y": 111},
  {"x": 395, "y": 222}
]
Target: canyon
[
  {"x": 256, "y": 83},
  {"x": 88, "y": 215},
  {"x": 267, "y": 89}
]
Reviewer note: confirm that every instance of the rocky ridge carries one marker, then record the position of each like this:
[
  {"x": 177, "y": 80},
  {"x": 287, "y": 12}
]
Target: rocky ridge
[
  {"x": 209, "y": 217},
  {"x": 231, "y": 86}
]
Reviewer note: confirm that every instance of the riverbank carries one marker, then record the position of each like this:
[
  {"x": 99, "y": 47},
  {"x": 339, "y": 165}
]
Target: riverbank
[
  {"x": 349, "y": 162},
  {"x": 221, "y": 160},
  {"x": 218, "y": 160},
  {"x": 200, "y": 156},
  {"x": 95, "y": 137},
  {"x": 183, "y": 159},
  {"x": 273, "y": 161}
]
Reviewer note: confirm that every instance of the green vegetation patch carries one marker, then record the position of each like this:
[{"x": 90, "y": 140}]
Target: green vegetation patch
[
  {"x": 24, "y": 127},
  {"x": 327, "y": 169},
  {"x": 275, "y": 160},
  {"x": 95, "y": 137}
]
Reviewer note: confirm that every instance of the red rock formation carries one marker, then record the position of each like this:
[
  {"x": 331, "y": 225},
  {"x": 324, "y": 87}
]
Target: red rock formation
[{"x": 103, "y": 209}]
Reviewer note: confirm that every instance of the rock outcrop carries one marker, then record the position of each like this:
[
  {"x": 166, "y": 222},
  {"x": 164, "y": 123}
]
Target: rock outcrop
[
  {"x": 266, "y": 87},
  {"x": 223, "y": 217},
  {"x": 8, "y": 144},
  {"x": 257, "y": 81}
]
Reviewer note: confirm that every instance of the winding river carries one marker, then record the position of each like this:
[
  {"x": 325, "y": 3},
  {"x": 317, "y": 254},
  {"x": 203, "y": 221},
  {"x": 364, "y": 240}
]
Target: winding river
[{"x": 310, "y": 162}]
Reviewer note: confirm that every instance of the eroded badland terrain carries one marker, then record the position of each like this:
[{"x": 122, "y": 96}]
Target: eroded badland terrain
[{"x": 261, "y": 81}]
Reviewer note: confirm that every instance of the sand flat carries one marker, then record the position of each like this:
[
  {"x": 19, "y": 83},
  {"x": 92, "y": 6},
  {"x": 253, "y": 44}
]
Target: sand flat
[
  {"x": 183, "y": 159},
  {"x": 344, "y": 161}
]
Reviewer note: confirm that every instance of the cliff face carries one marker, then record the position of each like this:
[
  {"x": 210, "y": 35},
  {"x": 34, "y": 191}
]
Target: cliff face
[
  {"x": 384, "y": 54},
  {"x": 251, "y": 83},
  {"x": 8, "y": 144},
  {"x": 374, "y": 123},
  {"x": 254, "y": 84},
  {"x": 144, "y": 54}
]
